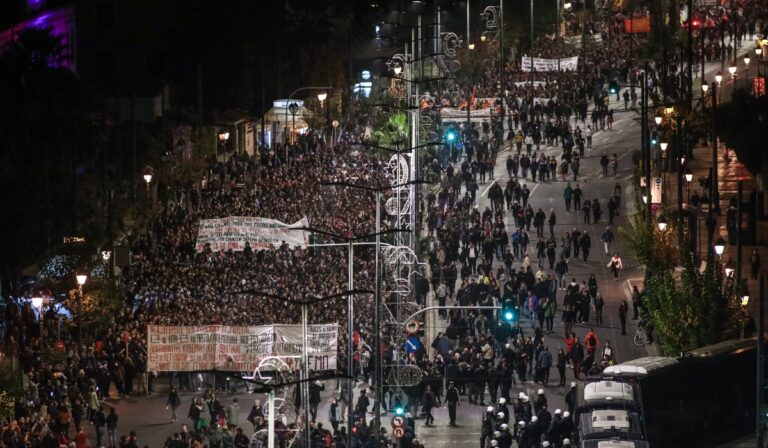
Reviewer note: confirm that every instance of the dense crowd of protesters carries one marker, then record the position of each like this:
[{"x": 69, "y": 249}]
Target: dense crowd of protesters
[{"x": 473, "y": 260}]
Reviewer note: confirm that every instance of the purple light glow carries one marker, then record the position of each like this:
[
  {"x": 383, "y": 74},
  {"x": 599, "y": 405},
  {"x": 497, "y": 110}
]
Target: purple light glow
[
  {"x": 61, "y": 22},
  {"x": 35, "y": 4}
]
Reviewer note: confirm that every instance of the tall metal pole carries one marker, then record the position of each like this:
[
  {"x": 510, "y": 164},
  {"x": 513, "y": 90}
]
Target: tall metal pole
[
  {"x": 738, "y": 235},
  {"x": 377, "y": 329},
  {"x": 690, "y": 55},
  {"x": 760, "y": 374},
  {"x": 679, "y": 151},
  {"x": 531, "y": 31},
  {"x": 647, "y": 146},
  {"x": 501, "y": 64},
  {"x": 713, "y": 172},
  {"x": 350, "y": 343},
  {"x": 469, "y": 85},
  {"x": 305, "y": 373},
  {"x": 271, "y": 422}
]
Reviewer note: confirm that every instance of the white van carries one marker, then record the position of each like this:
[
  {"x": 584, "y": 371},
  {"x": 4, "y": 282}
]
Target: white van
[
  {"x": 614, "y": 443},
  {"x": 608, "y": 391}
]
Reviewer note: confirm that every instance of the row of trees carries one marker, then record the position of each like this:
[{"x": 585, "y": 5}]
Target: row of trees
[{"x": 697, "y": 308}]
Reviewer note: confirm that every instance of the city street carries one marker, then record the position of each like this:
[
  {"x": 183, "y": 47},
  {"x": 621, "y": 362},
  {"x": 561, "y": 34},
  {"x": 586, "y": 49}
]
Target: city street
[{"x": 151, "y": 421}]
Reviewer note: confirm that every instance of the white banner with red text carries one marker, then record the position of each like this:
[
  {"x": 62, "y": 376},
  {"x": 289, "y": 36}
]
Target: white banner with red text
[
  {"x": 233, "y": 232},
  {"x": 238, "y": 349},
  {"x": 549, "y": 65}
]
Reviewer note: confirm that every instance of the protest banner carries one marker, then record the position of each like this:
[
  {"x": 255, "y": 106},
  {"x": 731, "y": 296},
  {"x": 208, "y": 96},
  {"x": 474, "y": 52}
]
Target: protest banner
[
  {"x": 237, "y": 349},
  {"x": 549, "y": 65},
  {"x": 233, "y": 232}
]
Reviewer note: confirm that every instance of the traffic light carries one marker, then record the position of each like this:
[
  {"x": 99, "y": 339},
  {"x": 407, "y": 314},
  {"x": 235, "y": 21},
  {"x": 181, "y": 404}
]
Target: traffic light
[
  {"x": 509, "y": 312},
  {"x": 613, "y": 87},
  {"x": 654, "y": 138},
  {"x": 398, "y": 409},
  {"x": 450, "y": 136}
]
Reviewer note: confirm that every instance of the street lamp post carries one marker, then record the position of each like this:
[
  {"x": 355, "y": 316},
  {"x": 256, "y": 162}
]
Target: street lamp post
[
  {"x": 39, "y": 302},
  {"x": 293, "y": 108},
  {"x": 738, "y": 232},
  {"x": 760, "y": 347},
  {"x": 713, "y": 199},
  {"x": 81, "y": 279}
]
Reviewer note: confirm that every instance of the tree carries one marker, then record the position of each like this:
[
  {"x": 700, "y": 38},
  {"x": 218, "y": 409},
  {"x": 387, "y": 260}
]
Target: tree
[
  {"x": 652, "y": 248},
  {"x": 701, "y": 309}
]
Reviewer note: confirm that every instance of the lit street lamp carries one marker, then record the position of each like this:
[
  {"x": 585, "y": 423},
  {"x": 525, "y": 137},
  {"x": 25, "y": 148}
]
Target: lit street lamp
[
  {"x": 81, "y": 279},
  {"x": 662, "y": 224},
  {"x": 720, "y": 247}
]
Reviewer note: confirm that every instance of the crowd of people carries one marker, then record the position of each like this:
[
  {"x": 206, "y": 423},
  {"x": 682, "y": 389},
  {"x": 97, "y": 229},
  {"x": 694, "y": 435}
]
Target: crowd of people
[{"x": 474, "y": 260}]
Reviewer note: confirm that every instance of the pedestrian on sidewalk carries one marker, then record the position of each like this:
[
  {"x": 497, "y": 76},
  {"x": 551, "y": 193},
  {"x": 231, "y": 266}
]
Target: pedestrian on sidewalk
[
  {"x": 636, "y": 302},
  {"x": 754, "y": 263},
  {"x": 607, "y": 239},
  {"x": 614, "y": 164},
  {"x": 575, "y": 165},
  {"x": 577, "y": 357},
  {"x": 561, "y": 269},
  {"x": 453, "y": 400},
  {"x": 623, "y": 309},
  {"x": 611, "y": 206},
  {"x": 617, "y": 197},
  {"x": 615, "y": 265},
  {"x": 588, "y": 134},
  {"x": 112, "y": 427}
]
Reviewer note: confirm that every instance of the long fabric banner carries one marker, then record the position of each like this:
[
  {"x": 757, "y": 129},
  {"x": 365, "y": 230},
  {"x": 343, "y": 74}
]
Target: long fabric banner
[
  {"x": 549, "y": 65},
  {"x": 233, "y": 232},
  {"x": 237, "y": 349}
]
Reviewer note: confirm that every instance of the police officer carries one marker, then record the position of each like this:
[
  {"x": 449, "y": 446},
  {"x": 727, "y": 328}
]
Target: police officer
[
  {"x": 555, "y": 430},
  {"x": 505, "y": 439},
  {"x": 523, "y": 435},
  {"x": 487, "y": 428},
  {"x": 570, "y": 397},
  {"x": 541, "y": 400},
  {"x": 502, "y": 407},
  {"x": 534, "y": 431},
  {"x": 545, "y": 418},
  {"x": 567, "y": 425}
]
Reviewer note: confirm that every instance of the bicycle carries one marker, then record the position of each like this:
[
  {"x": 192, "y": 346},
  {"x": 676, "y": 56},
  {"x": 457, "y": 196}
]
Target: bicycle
[{"x": 641, "y": 337}]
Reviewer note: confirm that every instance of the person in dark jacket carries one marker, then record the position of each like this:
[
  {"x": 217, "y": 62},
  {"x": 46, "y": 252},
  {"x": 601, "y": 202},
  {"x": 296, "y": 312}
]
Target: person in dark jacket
[
  {"x": 173, "y": 402},
  {"x": 453, "y": 400},
  {"x": 571, "y": 397},
  {"x": 428, "y": 402},
  {"x": 314, "y": 398},
  {"x": 577, "y": 357}
]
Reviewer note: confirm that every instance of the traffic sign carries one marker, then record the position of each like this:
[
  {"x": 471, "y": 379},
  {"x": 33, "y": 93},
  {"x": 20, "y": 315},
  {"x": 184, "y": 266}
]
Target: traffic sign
[
  {"x": 398, "y": 422},
  {"x": 413, "y": 344},
  {"x": 404, "y": 376},
  {"x": 412, "y": 327},
  {"x": 399, "y": 432}
]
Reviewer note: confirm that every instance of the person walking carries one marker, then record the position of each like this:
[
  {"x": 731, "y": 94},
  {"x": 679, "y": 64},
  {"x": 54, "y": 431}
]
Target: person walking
[
  {"x": 577, "y": 194},
  {"x": 173, "y": 402},
  {"x": 545, "y": 363},
  {"x": 607, "y": 238},
  {"x": 577, "y": 357},
  {"x": 615, "y": 265},
  {"x": 334, "y": 415},
  {"x": 586, "y": 244},
  {"x": 453, "y": 400},
  {"x": 623, "y": 309},
  {"x": 428, "y": 402},
  {"x": 599, "y": 305},
  {"x": 568, "y": 196},
  {"x": 233, "y": 414},
  {"x": 111, "y": 421},
  {"x": 562, "y": 361}
]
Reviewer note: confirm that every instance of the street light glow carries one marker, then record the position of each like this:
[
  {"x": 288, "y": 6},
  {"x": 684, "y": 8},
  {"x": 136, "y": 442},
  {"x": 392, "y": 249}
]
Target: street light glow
[
  {"x": 658, "y": 119},
  {"x": 732, "y": 69},
  {"x": 81, "y": 279},
  {"x": 664, "y": 146},
  {"x": 704, "y": 87},
  {"x": 322, "y": 96},
  {"x": 471, "y": 46},
  {"x": 720, "y": 246},
  {"x": 746, "y": 60},
  {"x": 688, "y": 175},
  {"x": 662, "y": 223},
  {"x": 718, "y": 77}
]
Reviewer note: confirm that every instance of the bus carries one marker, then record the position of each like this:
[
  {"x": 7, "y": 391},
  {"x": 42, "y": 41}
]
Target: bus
[{"x": 704, "y": 398}]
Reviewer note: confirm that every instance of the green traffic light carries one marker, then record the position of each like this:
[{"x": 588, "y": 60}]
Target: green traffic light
[
  {"x": 398, "y": 411},
  {"x": 508, "y": 315}
]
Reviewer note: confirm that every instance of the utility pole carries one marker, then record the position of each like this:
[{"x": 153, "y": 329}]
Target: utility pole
[{"x": 760, "y": 366}]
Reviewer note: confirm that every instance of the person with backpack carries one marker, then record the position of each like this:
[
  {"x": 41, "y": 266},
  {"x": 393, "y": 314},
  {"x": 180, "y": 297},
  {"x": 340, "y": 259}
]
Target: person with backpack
[
  {"x": 591, "y": 341},
  {"x": 544, "y": 365}
]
